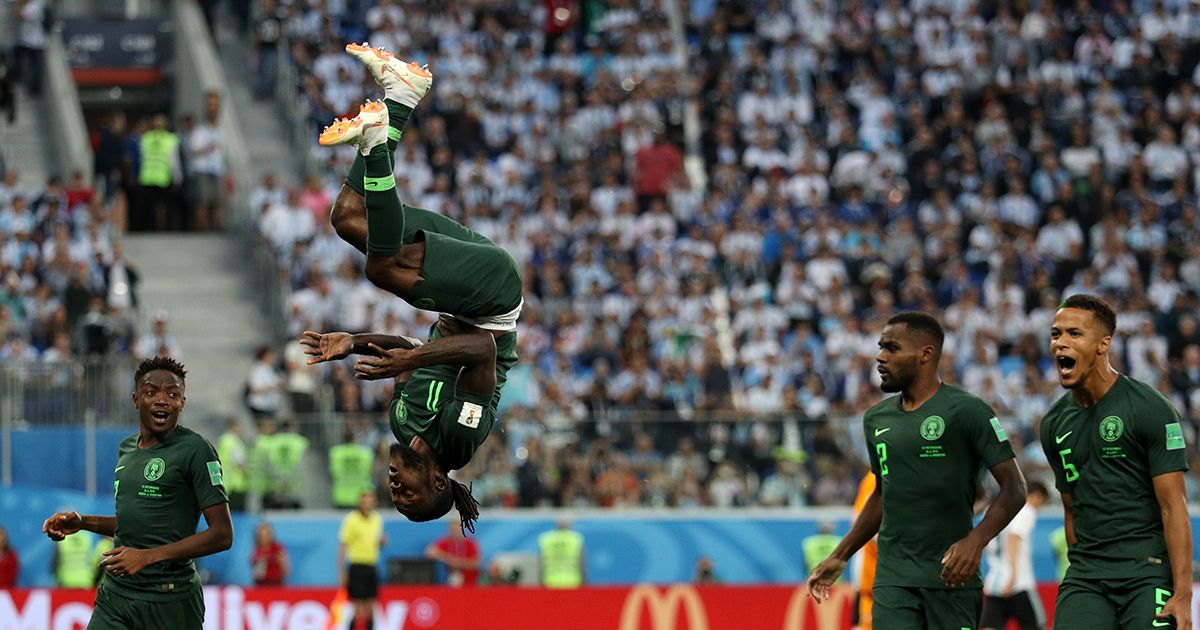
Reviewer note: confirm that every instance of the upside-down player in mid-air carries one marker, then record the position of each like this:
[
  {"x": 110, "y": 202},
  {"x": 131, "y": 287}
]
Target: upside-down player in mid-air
[
  {"x": 1117, "y": 450},
  {"x": 927, "y": 447},
  {"x": 446, "y": 389}
]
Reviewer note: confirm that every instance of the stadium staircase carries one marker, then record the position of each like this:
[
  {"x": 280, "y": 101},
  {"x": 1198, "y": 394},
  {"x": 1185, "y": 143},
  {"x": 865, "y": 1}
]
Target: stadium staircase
[
  {"x": 23, "y": 144},
  {"x": 200, "y": 281}
]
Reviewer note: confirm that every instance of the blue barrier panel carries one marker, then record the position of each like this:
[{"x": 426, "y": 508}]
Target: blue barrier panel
[
  {"x": 55, "y": 457},
  {"x": 622, "y": 547}
]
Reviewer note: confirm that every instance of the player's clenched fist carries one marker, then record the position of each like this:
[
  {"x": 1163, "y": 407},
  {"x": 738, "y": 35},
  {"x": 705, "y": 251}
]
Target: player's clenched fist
[
  {"x": 61, "y": 525},
  {"x": 823, "y": 577}
]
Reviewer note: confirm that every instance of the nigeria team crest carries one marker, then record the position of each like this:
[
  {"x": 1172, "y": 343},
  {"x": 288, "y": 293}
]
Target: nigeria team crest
[
  {"x": 154, "y": 469},
  {"x": 933, "y": 427},
  {"x": 1111, "y": 428}
]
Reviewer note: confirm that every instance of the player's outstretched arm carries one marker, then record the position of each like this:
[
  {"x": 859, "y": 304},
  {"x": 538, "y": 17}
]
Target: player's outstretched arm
[
  {"x": 64, "y": 524},
  {"x": 218, "y": 537},
  {"x": 961, "y": 561},
  {"x": 333, "y": 346},
  {"x": 1172, "y": 502},
  {"x": 475, "y": 352},
  {"x": 861, "y": 531}
]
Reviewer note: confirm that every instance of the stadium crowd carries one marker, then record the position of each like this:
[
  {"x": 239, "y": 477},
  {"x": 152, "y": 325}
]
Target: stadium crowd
[{"x": 980, "y": 161}]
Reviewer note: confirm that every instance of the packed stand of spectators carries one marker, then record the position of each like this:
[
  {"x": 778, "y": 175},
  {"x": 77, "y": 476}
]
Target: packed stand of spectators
[
  {"x": 68, "y": 295},
  {"x": 967, "y": 159}
]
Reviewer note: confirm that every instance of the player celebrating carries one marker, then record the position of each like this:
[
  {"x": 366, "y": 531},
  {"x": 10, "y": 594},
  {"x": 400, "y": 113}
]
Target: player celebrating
[
  {"x": 1117, "y": 450},
  {"x": 166, "y": 477},
  {"x": 927, "y": 447},
  {"x": 433, "y": 263}
]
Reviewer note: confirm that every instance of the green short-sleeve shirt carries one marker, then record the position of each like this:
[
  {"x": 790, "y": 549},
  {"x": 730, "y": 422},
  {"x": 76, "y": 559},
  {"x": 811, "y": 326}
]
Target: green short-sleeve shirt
[
  {"x": 453, "y": 422},
  {"x": 161, "y": 493},
  {"x": 928, "y": 462},
  {"x": 1106, "y": 456}
]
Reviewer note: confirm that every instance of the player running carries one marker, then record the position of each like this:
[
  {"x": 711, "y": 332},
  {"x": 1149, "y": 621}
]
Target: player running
[
  {"x": 447, "y": 390},
  {"x": 1117, "y": 450},
  {"x": 927, "y": 447},
  {"x": 166, "y": 477}
]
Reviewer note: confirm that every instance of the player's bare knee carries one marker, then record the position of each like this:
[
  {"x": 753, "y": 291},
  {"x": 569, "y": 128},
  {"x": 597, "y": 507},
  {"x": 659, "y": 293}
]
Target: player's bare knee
[{"x": 349, "y": 212}]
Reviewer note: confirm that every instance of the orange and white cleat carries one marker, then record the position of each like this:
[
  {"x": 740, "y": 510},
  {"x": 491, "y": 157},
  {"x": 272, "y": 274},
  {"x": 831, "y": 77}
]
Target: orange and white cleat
[
  {"x": 365, "y": 131},
  {"x": 403, "y": 82}
]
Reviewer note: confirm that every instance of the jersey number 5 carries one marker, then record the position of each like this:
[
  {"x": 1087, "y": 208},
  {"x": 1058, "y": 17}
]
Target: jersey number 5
[
  {"x": 881, "y": 451},
  {"x": 1068, "y": 468}
]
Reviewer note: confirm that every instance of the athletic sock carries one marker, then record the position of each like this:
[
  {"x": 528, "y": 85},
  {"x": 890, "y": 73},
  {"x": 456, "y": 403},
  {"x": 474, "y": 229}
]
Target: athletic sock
[
  {"x": 398, "y": 114},
  {"x": 385, "y": 213}
]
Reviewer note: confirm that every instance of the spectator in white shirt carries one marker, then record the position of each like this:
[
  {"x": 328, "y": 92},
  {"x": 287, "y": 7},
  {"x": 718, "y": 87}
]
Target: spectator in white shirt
[{"x": 264, "y": 385}]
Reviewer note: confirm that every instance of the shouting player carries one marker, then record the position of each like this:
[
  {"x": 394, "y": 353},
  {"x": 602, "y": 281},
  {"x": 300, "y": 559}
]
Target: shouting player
[
  {"x": 166, "y": 477},
  {"x": 447, "y": 390},
  {"x": 1117, "y": 451},
  {"x": 927, "y": 447}
]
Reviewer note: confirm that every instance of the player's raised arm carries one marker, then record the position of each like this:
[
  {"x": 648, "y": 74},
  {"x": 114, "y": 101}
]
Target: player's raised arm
[
  {"x": 333, "y": 346},
  {"x": 865, "y": 527},
  {"x": 474, "y": 352},
  {"x": 961, "y": 561}
]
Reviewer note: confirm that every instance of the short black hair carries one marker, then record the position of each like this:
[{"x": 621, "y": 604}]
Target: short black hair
[
  {"x": 1097, "y": 306},
  {"x": 1037, "y": 487},
  {"x": 923, "y": 323},
  {"x": 159, "y": 363}
]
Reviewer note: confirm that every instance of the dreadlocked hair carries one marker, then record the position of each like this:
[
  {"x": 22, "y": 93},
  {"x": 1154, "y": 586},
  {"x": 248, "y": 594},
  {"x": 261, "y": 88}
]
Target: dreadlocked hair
[
  {"x": 467, "y": 506},
  {"x": 159, "y": 363}
]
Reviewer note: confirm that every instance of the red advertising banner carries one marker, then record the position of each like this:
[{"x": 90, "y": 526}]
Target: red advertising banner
[{"x": 643, "y": 607}]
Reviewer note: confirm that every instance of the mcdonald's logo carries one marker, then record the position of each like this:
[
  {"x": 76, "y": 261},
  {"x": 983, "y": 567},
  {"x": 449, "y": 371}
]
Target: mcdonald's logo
[{"x": 664, "y": 608}]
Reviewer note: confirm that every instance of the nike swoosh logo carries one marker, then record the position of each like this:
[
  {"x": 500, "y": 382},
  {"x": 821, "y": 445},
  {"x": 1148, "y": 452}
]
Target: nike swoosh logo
[
  {"x": 879, "y": 432},
  {"x": 1159, "y": 623},
  {"x": 1058, "y": 439},
  {"x": 118, "y": 468},
  {"x": 396, "y": 74}
]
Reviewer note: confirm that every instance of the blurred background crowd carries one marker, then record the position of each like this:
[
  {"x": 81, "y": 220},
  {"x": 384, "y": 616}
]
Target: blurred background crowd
[
  {"x": 715, "y": 211},
  {"x": 703, "y": 333}
]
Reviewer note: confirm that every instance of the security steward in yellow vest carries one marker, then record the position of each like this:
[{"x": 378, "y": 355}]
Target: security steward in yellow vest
[
  {"x": 159, "y": 154},
  {"x": 818, "y": 546},
  {"x": 286, "y": 452},
  {"x": 234, "y": 459},
  {"x": 561, "y": 552},
  {"x": 350, "y": 471},
  {"x": 73, "y": 566}
]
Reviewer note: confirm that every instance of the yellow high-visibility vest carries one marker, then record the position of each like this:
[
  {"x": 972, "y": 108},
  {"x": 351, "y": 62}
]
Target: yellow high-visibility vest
[{"x": 562, "y": 558}]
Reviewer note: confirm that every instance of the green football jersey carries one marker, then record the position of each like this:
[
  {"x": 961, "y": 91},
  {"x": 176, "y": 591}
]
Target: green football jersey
[
  {"x": 464, "y": 273},
  {"x": 928, "y": 462},
  {"x": 160, "y": 493},
  {"x": 1105, "y": 457},
  {"x": 454, "y": 423}
]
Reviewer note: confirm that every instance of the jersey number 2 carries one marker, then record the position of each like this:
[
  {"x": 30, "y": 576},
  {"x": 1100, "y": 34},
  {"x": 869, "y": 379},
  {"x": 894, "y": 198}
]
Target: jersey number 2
[
  {"x": 1068, "y": 468},
  {"x": 881, "y": 451}
]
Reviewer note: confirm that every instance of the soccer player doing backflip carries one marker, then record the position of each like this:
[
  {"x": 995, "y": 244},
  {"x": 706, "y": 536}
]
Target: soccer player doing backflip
[{"x": 446, "y": 389}]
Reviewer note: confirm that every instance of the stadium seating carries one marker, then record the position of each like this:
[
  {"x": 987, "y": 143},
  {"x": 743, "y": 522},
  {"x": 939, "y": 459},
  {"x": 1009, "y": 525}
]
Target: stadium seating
[{"x": 858, "y": 158}]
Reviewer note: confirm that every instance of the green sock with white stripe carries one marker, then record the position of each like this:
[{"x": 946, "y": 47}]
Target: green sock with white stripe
[{"x": 385, "y": 213}]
